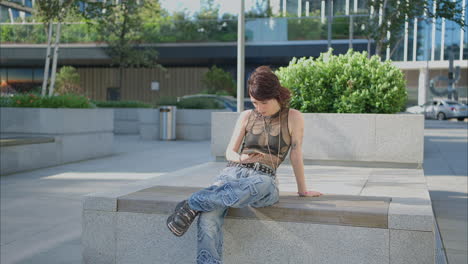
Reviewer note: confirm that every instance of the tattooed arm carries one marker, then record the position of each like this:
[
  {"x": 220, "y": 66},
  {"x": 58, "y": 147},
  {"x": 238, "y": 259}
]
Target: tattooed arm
[{"x": 296, "y": 122}]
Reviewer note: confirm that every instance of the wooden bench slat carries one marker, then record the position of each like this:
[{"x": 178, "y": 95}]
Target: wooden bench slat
[{"x": 352, "y": 210}]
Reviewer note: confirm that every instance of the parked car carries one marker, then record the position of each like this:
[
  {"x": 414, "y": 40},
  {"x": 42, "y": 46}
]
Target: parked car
[
  {"x": 441, "y": 110},
  {"x": 229, "y": 102}
]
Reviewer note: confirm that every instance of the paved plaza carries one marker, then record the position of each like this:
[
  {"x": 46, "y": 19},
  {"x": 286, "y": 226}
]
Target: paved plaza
[{"x": 41, "y": 209}]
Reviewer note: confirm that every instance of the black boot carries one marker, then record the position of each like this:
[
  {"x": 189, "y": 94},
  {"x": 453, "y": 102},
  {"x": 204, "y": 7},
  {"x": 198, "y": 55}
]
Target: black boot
[{"x": 180, "y": 221}]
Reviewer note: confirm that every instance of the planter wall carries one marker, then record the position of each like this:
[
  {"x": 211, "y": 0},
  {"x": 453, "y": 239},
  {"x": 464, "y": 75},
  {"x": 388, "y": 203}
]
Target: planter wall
[
  {"x": 126, "y": 121},
  {"x": 346, "y": 138},
  {"x": 191, "y": 124},
  {"x": 78, "y": 134}
]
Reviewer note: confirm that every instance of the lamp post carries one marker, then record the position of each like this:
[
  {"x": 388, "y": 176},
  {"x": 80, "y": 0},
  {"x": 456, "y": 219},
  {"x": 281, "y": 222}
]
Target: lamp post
[{"x": 240, "y": 57}]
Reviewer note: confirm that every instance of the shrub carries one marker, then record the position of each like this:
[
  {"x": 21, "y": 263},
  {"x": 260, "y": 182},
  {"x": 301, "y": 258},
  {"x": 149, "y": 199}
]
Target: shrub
[
  {"x": 68, "y": 81},
  {"x": 60, "y": 101},
  {"x": 199, "y": 103},
  {"x": 349, "y": 83},
  {"x": 191, "y": 103},
  {"x": 167, "y": 100},
  {"x": 122, "y": 104},
  {"x": 217, "y": 80}
]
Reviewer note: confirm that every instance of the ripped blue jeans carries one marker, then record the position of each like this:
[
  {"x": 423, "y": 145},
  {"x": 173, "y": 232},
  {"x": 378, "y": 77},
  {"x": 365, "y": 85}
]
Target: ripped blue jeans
[{"x": 235, "y": 187}]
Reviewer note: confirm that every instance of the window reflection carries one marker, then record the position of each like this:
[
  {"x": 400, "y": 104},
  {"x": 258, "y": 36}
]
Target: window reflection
[{"x": 20, "y": 80}]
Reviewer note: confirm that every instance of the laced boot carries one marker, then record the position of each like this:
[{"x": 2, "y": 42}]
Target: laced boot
[{"x": 180, "y": 221}]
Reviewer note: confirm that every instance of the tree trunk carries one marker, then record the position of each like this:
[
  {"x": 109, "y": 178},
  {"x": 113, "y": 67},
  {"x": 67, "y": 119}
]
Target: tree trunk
[
  {"x": 54, "y": 63},
  {"x": 368, "y": 48},
  {"x": 378, "y": 48},
  {"x": 47, "y": 62}
]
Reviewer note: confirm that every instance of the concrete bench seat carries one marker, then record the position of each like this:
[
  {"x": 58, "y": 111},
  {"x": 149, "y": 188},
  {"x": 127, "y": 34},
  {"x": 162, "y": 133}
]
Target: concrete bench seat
[
  {"x": 17, "y": 141},
  {"x": 26, "y": 152},
  {"x": 367, "y": 215},
  {"x": 352, "y": 210}
]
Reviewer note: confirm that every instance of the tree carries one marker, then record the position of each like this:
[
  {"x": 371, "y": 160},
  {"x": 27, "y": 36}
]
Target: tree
[
  {"x": 119, "y": 26},
  {"x": 49, "y": 12},
  {"x": 390, "y": 16},
  {"x": 68, "y": 81},
  {"x": 218, "y": 81}
]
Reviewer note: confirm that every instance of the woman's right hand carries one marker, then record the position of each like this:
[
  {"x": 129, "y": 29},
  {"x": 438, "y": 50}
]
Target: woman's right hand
[{"x": 251, "y": 158}]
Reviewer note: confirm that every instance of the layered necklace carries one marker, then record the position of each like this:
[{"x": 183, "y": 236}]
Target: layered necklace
[{"x": 267, "y": 134}]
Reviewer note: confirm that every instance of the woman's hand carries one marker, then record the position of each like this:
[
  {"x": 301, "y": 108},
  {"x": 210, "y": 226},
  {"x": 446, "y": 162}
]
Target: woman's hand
[
  {"x": 251, "y": 158},
  {"x": 310, "y": 194}
]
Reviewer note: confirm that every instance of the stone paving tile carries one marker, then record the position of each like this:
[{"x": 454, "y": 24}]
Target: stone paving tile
[{"x": 456, "y": 256}]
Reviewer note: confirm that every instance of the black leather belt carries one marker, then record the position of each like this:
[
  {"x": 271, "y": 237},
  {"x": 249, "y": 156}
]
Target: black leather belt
[{"x": 256, "y": 166}]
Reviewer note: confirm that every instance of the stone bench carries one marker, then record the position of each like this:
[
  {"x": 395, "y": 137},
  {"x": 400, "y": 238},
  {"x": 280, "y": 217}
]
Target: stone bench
[
  {"x": 18, "y": 141},
  {"x": 78, "y": 134},
  {"x": 352, "y": 225},
  {"x": 349, "y": 210},
  {"x": 26, "y": 152}
]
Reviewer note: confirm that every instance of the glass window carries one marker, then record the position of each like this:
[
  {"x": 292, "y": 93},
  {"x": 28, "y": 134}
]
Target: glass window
[
  {"x": 21, "y": 79},
  {"x": 38, "y": 75}
]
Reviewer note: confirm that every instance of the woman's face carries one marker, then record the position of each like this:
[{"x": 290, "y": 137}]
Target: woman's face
[{"x": 267, "y": 107}]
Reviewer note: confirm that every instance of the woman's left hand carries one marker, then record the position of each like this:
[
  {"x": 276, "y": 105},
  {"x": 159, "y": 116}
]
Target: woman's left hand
[{"x": 310, "y": 194}]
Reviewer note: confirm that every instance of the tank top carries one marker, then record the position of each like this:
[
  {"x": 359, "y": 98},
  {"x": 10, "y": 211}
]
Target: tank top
[{"x": 263, "y": 132}]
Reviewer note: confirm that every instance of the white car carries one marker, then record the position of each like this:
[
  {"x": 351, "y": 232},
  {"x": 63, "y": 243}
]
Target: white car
[{"x": 441, "y": 110}]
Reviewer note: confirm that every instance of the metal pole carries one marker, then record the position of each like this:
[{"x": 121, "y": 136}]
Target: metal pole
[
  {"x": 329, "y": 23},
  {"x": 462, "y": 32},
  {"x": 240, "y": 57},
  {"x": 351, "y": 32}
]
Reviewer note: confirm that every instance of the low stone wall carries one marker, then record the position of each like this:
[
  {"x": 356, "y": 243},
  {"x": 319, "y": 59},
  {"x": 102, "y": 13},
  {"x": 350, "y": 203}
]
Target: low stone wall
[
  {"x": 78, "y": 134},
  {"x": 191, "y": 124},
  {"x": 375, "y": 139},
  {"x": 126, "y": 120}
]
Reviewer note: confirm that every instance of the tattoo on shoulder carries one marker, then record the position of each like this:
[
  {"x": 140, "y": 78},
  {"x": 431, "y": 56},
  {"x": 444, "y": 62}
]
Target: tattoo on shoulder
[{"x": 293, "y": 145}]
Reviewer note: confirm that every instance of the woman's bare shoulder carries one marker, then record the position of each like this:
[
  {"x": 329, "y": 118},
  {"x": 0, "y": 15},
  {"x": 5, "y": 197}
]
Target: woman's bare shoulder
[
  {"x": 244, "y": 116},
  {"x": 295, "y": 114}
]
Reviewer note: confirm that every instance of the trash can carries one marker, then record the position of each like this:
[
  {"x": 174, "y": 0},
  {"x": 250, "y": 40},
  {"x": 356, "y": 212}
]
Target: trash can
[{"x": 167, "y": 122}]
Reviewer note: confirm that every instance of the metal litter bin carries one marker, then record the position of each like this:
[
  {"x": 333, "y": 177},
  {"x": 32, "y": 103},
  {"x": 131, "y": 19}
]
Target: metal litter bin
[{"x": 167, "y": 122}]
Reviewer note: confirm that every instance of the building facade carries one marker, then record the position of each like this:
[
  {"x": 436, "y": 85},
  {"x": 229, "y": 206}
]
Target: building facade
[{"x": 297, "y": 28}]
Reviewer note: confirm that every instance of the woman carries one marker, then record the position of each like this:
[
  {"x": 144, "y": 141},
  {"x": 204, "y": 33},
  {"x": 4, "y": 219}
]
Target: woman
[{"x": 264, "y": 136}]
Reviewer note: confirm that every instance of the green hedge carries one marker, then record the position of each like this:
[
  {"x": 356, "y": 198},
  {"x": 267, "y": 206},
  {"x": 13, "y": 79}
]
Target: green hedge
[
  {"x": 199, "y": 103},
  {"x": 349, "y": 83},
  {"x": 122, "y": 104},
  {"x": 33, "y": 100},
  {"x": 191, "y": 103}
]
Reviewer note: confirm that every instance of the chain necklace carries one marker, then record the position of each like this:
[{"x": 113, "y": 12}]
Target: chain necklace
[{"x": 268, "y": 139}]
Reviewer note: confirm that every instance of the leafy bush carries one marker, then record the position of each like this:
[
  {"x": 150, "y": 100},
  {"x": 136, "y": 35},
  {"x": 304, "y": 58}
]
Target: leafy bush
[
  {"x": 199, "y": 103},
  {"x": 68, "y": 81},
  {"x": 191, "y": 103},
  {"x": 60, "y": 101},
  {"x": 217, "y": 80},
  {"x": 122, "y": 104},
  {"x": 168, "y": 100},
  {"x": 349, "y": 83}
]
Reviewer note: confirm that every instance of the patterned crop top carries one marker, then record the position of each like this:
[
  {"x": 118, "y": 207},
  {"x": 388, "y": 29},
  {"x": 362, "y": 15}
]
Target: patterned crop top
[{"x": 263, "y": 132}]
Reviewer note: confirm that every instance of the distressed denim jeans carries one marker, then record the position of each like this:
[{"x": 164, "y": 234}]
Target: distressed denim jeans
[{"x": 235, "y": 187}]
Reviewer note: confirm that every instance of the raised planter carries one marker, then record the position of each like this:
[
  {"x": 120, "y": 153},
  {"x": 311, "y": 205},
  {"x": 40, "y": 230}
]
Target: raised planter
[
  {"x": 78, "y": 134},
  {"x": 374, "y": 139},
  {"x": 194, "y": 124},
  {"x": 126, "y": 120},
  {"x": 148, "y": 123},
  {"x": 191, "y": 124}
]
